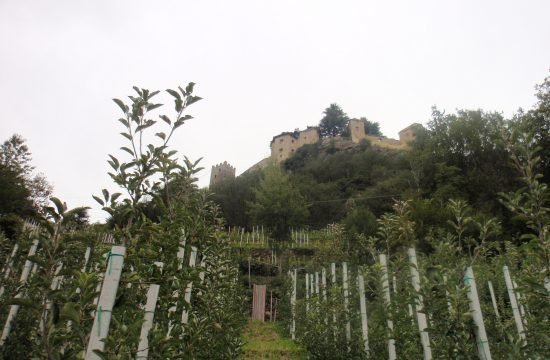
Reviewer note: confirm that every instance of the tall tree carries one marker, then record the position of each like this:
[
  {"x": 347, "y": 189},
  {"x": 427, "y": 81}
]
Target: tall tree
[
  {"x": 334, "y": 122},
  {"x": 16, "y": 156},
  {"x": 278, "y": 205},
  {"x": 371, "y": 128},
  {"x": 537, "y": 123}
]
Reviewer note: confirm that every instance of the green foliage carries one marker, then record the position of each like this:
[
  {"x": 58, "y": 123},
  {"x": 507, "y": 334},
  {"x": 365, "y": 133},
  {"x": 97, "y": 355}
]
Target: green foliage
[
  {"x": 334, "y": 122},
  {"x": 371, "y": 128},
  {"x": 278, "y": 204}
]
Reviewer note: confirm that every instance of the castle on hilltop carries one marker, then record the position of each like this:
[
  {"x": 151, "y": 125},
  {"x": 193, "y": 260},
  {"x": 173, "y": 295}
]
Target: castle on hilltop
[
  {"x": 285, "y": 144},
  {"x": 221, "y": 172}
]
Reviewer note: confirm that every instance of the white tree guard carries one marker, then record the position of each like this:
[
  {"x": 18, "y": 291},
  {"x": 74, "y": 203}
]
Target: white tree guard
[
  {"x": 317, "y": 283},
  {"x": 345, "y": 286},
  {"x": 514, "y": 303},
  {"x": 189, "y": 288},
  {"x": 387, "y": 299},
  {"x": 333, "y": 280},
  {"x": 152, "y": 297},
  {"x": 493, "y": 298},
  {"x": 307, "y": 293},
  {"x": 363, "y": 309},
  {"x": 54, "y": 286},
  {"x": 419, "y": 306},
  {"x": 324, "y": 283},
  {"x": 22, "y": 280},
  {"x": 102, "y": 319},
  {"x": 293, "y": 305},
  {"x": 483, "y": 349}
]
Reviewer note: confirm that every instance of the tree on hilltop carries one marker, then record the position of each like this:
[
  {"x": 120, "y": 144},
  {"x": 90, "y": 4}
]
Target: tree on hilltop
[
  {"x": 371, "y": 128},
  {"x": 334, "y": 122},
  {"x": 278, "y": 205}
]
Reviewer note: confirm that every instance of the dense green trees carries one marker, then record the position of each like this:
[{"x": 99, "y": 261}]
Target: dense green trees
[{"x": 278, "y": 204}]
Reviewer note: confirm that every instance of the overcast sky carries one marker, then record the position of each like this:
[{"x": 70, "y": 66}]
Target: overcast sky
[{"x": 262, "y": 68}]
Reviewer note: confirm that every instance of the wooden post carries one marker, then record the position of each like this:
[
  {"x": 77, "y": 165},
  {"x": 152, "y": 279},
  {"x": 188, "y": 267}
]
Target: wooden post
[
  {"x": 363, "y": 307},
  {"x": 514, "y": 303},
  {"x": 493, "y": 298},
  {"x": 387, "y": 299},
  {"x": 483, "y": 349},
  {"x": 419, "y": 305},
  {"x": 22, "y": 280},
  {"x": 258, "y": 302},
  {"x": 102, "y": 319}
]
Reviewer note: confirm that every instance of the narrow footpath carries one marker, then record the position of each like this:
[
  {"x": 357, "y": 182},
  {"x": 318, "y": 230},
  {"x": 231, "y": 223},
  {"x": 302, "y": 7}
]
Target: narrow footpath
[{"x": 262, "y": 341}]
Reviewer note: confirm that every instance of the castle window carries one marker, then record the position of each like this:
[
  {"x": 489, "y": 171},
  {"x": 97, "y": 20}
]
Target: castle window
[
  {"x": 281, "y": 150},
  {"x": 292, "y": 141},
  {"x": 281, "y": 140},
  {"x": 292, "y": 150}
]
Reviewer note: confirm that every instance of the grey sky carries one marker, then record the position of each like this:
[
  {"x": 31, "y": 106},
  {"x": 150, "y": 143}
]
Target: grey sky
[{"x": 262, "y": 68}]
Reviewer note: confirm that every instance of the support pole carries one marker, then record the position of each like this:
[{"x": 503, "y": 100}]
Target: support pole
[
  {"x": 483, "y": 349},
  {"x": 419, "y": 305},
  {"x": 493, "y": 298},
  {"x": 102, "y": 319},
  {"x": 22, "y": 280},
  {"x": 387, "y": 299},
  {"x": 514, "y": 303},
  {"x": 363, "y": 307},
  {"x": 345, "y": 286}
]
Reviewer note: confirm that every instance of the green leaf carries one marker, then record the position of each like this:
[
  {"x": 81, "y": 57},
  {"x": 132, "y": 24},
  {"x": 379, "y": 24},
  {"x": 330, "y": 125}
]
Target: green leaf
[
  {"x": 161, "y": 135},
  {"x": 70, "y": 311},
  {"x": 115, "y": 196},
  {"x": 189, "y": 88},
  {"x": 166, "y": 119},
  {"x": 115, "y": 162},
  {"x": 124, "y": 122},
  {"x": 21, "y": 302},
  {"x": 192, "y": 99},
  {"x": 121, "y": 105},
  {"x": 99, "y": 200},
  {"x": 174, "y": 94},
  {"x": 127, "y": 136},
  {"x": 136, "y": 89},
  {"x": 153, "y": 106},
  {"x": 59, "y": 205},
  {"x": 105, "y": 194},
  {"x": 128, "y": 150}
]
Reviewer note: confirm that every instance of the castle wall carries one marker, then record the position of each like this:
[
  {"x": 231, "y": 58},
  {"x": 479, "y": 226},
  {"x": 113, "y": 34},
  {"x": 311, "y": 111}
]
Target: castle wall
[
  {"x": 408, "y": 134},
  {"x": 284, "y": 145}
]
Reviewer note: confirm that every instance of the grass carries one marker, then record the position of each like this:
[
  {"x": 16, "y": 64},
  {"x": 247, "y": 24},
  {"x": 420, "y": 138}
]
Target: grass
[{"x": 263, "y": 341}]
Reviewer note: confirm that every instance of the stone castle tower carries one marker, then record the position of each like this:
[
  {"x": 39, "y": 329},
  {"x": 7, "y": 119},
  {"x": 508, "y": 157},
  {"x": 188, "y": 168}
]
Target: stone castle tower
[{"x": 221, "y": 172}]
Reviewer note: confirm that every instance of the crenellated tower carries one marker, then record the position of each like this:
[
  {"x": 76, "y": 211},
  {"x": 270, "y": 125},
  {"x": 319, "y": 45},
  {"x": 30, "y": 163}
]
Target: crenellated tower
[{"x": 221, "y": 172}]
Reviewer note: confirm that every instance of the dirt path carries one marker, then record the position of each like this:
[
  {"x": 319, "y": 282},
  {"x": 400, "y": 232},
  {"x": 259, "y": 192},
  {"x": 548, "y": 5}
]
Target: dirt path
[{"x": 262, "y": 341}]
